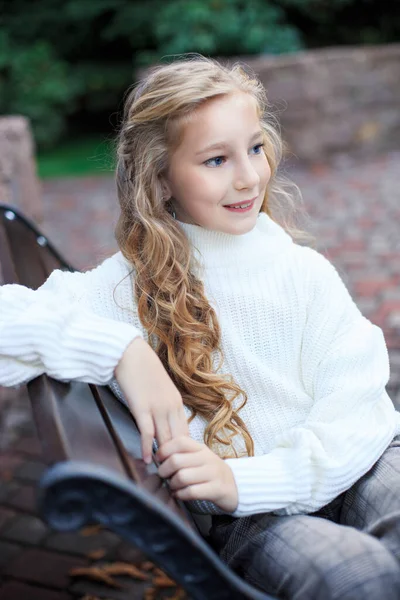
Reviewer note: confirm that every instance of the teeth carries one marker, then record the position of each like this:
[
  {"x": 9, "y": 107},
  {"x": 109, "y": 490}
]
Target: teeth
[{"x": 242, "y": 205}]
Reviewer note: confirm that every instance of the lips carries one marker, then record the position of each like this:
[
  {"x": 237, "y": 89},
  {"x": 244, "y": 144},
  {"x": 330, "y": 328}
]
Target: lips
[{"x": 241, "y": 203}]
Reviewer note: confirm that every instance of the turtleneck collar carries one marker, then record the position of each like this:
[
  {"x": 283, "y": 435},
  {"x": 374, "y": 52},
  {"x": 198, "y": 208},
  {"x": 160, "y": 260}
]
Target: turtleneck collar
[{"x": 216, "y": 249}]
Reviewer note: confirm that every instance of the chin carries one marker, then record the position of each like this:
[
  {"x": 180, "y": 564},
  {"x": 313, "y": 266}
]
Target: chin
[{"x": 242, "y": 226}]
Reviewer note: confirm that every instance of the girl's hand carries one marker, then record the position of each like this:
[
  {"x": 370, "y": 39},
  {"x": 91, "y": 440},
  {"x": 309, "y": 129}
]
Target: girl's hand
[
  {"x": 152, "y": 397},
  {"x": 197, "y": 473}
]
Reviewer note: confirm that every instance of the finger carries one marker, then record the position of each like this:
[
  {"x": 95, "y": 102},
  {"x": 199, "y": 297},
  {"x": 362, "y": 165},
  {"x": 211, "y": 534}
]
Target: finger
[
  {"x": 176, "y": 462},
  {"x": 178, "y": 423},
  {"x": 146, "y": 428},
  {"x": 163, "y": 432},
  {"x": 189, "y": 476},
  {"x": 181, "y": 443},
  {"x": 199, "y": 491}
]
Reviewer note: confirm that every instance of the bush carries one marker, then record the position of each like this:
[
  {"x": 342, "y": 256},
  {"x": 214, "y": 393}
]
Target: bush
[
  {"x": 211, "y": 27},
  {"x": 35, "y": 83}
]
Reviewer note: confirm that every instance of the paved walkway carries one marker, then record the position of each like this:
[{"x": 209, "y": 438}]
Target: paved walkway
[{"x": 354, "y": 211}]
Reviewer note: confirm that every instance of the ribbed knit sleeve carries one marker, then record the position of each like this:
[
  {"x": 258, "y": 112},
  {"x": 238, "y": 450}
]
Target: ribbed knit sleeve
[
  {"x": 344, "y": 368},
  {"x": 65, "y": 329}
]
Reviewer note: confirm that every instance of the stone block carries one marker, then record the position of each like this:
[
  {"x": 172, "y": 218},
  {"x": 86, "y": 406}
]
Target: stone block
[
  {"x": 134, "y": 590},
  {"x": 15, "y": 590},
  {"x": 19, "y": 184},
  {"x": 8, "y": 551},
  {"x": 76, "y": 543},
  {"x": 30, "y": 446},
  {"x": 7, "y": 488},
  {"x": 31, "y": 471},
  {"x": 24, "y": 499},
  {"x": 6, "y": 514},
  {"x": 43, "y": 567},
  {"x": 25, "y": 529}
]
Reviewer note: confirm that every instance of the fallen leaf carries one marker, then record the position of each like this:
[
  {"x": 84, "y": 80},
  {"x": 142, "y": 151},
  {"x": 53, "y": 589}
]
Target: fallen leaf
[
  {"x": 150, "y": 594},
  {"x": 121, "y": 568},
  {"x": 164, "y": 581},
  {"x": 96, "y": 554},
  {"x": 179, "y": 595},
  {"x": 95, "y": 573},
  {"x": 91, "y": 597},
  {"x": 91, "y": 529},
  {"x": 147, "y": 566}
]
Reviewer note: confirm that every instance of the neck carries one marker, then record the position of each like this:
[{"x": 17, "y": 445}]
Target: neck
[{"x": 216, "y": 249}]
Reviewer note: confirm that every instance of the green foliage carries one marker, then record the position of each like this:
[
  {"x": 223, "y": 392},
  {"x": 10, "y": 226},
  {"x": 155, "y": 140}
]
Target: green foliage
[
  {"x": 343, "y": 22},
  {"x": 211, "y": 27},
  {"x": 81, "y": 156},
  {"x": 35, "y": 83}
]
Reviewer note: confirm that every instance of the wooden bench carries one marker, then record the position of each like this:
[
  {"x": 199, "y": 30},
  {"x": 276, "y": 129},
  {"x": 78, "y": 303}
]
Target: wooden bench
[{"x": 92, "y": 444}]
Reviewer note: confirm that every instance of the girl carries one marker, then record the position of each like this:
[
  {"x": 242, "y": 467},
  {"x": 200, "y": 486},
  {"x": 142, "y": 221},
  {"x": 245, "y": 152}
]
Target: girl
[{"x": 239, "y": 349}]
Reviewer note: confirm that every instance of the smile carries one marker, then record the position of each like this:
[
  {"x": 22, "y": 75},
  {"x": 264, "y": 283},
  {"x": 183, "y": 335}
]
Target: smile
[{"x": 241, "y": 208}]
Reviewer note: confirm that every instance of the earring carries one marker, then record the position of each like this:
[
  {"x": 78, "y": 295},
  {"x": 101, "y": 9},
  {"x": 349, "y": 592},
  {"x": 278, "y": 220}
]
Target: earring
[{"x": 171, "y": 209}]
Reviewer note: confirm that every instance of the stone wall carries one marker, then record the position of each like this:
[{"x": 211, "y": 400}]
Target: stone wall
[
  {"x": 19, "y": 184},
  {"x": 335, "y": 100}
]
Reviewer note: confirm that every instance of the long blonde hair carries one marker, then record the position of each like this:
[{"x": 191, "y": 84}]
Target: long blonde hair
[{"x": 182, "y": 327}]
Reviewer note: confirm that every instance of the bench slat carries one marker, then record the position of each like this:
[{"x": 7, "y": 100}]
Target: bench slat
[
  {"x": 123, "y": 428},
  {"x": 70, "y": 424},
  {"x": 26, "y": 255}
]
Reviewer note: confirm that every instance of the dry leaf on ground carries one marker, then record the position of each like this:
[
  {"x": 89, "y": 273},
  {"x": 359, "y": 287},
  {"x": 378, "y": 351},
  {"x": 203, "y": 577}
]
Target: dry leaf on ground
[
  {"x": 121, "y": 568},
  {"x": 164, "y": 581},
  {"x": 179, "y": 595},
  {"x": 95, "y": 573},
  {"x": 96, "y": 554},
  {"x": 158, "y": 572},
  {"x": 147, "y": 566},
  {"x": 91, "y": 597},
  {"x": 91, "y": 529}
]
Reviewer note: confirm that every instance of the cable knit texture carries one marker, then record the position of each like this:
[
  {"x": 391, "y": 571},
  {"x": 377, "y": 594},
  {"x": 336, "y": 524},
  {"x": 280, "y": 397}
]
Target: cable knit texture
[{"x": 314, "y": 368}]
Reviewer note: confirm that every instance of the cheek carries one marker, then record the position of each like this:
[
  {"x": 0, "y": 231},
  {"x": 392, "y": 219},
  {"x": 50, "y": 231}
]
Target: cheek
[
  {"x": 265, "y": 172},
  {"x": 198, "y": 185}
]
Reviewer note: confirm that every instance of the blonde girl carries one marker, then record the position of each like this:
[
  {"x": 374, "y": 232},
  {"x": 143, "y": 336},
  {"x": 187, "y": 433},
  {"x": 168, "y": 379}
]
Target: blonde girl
[{"x": 236, "y": 347}]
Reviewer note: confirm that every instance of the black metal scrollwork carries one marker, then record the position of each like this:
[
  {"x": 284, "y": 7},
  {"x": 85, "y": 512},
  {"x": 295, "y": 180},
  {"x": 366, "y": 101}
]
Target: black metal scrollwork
[{"x": 73, "y": 495}]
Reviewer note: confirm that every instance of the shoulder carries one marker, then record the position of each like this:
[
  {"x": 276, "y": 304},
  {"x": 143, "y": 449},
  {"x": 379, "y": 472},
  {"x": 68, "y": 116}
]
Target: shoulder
[
  {"x": 313, "y": 265},
  {"x": 324, "y": 285},
  {"x": 320, "y": 278},
  {"x": 108, "y": 274}
]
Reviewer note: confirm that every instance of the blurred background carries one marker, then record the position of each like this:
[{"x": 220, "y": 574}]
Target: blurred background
[
  {"x": 65, "y": 64},
  {"x": 332, "y": 73}
]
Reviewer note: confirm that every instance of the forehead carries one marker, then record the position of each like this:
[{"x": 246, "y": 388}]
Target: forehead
[{"x": 223, "y": 118}]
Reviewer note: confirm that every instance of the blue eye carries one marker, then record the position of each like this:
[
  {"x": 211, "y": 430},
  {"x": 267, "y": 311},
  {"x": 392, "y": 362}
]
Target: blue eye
[
  {"x": 211, "y": 159},
  {"x": 259, "y": 146},
  {"x": 218, "y": 158}
]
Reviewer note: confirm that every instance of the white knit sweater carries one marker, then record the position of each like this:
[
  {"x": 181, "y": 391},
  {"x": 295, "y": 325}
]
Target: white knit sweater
[{"x": 313, "y": 367}]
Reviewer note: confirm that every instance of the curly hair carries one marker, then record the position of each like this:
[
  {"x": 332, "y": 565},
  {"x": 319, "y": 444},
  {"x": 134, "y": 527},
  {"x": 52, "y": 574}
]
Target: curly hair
[{"x": 181, "y": 325}]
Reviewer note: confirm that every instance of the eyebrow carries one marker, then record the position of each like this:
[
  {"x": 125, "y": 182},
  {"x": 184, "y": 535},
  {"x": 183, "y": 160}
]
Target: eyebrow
[{"x": 223, "y": 145}]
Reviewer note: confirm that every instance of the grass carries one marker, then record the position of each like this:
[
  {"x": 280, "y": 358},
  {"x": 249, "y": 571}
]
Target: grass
[{"x": 78, "y": 157}]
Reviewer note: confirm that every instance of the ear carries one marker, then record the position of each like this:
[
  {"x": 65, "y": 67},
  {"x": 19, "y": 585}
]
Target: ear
[{"x": 166, "y": 190}]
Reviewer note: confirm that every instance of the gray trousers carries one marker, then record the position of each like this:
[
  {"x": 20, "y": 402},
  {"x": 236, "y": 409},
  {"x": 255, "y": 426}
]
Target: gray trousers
[{"x": 348, "y": 550}]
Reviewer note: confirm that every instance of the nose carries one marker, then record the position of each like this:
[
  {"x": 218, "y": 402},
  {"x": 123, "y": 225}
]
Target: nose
[{"x": 246, "y": 176}]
